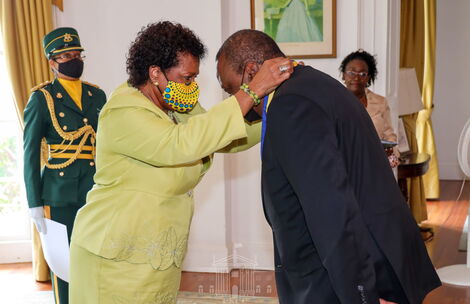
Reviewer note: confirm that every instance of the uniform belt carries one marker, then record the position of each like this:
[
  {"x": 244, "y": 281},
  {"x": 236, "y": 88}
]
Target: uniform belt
[
  {"x": 69, "y": 147},
  {"x": 71, "y": 155}
]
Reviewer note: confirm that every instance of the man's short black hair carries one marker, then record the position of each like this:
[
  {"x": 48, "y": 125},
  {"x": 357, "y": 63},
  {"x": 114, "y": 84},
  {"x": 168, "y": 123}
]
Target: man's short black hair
[{"x": 248, "y": 46}]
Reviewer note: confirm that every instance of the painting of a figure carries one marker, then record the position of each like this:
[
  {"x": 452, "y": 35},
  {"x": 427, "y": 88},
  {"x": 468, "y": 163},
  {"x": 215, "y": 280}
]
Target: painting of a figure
[
  {"x": 294, "y": 20},
  {"x": 302, "y": 28}
]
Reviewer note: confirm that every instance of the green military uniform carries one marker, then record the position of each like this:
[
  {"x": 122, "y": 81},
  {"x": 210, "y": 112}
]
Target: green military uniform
[{"x": 62, "y": 135}]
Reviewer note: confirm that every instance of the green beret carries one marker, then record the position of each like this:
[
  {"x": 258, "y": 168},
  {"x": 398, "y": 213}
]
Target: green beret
[{"x": 60, "y": 40}]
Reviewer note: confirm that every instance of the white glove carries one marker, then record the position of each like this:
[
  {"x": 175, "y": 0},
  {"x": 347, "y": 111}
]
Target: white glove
[{"x": 37, "y": 216}]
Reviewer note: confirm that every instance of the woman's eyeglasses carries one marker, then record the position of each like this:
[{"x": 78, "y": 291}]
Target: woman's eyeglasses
[{"x": 353, "y": 74}]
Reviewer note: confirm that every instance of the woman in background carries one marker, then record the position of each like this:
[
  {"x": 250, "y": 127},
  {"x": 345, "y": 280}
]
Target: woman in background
[{"x": 359, "y": 71}]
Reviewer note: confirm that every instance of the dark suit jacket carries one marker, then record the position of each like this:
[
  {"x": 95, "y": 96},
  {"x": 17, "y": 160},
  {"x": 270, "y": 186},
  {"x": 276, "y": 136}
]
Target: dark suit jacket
[
  {"x": 342, "y": 230},
  {"x": 70, "y": 185}
]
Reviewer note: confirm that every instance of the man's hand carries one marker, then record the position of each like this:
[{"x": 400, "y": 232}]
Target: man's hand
[{"x": 37, "y": 216}]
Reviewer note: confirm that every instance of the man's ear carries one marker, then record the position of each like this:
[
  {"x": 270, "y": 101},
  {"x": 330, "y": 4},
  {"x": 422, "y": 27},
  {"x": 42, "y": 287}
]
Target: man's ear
[{"x": 251, "y": 69}]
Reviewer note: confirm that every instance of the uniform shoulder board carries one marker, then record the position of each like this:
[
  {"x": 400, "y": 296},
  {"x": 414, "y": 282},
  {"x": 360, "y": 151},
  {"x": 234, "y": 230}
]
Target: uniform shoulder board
[
  {"x": 42, "y": 85},
  {"x": 90, "y": 84}
]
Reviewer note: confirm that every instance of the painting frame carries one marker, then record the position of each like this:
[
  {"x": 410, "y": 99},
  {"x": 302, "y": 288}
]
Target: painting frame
[{"x": 303, "y": 50}]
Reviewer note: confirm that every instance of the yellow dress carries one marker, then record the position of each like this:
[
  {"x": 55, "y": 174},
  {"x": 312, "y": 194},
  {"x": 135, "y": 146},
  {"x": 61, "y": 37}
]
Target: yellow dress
[{"x": 130, "y": 238}]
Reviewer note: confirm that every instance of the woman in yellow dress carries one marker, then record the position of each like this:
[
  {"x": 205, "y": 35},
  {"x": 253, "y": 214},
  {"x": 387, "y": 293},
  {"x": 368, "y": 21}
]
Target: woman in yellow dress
[{"x": 155, "y": 142}]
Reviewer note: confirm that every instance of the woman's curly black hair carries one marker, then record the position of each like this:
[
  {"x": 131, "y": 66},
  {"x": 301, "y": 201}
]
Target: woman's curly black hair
[
  {"x": 159, "y": 44},
  {"x": 367, "y": 58}
]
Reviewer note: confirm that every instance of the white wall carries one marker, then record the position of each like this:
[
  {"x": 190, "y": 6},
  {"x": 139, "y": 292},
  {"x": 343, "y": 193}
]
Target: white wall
[
  {"x": 228, "y": 217},
  {"x": 451, "y": 98}
]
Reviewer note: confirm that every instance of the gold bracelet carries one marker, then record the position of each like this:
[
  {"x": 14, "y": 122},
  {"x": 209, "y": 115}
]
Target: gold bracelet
[{"x": 247, "y": 90}]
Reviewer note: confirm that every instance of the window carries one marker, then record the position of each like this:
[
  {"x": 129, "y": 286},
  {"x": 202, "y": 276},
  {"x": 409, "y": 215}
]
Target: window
[{"x": 14, "y": 219}]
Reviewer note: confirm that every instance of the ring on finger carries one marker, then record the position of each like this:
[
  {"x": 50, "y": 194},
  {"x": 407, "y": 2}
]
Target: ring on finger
[{"x": 283, "y": 68}]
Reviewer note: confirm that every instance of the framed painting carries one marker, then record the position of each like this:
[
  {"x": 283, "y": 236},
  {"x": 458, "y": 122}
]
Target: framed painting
[{"x": 302, "y": 28}]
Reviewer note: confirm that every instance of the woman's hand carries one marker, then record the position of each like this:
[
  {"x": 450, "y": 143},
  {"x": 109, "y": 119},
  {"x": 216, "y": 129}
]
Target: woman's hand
[
  {"x": 271, "y": 74},
  {"x": 393, "y": 161},
  {"x": 382, "y": 301}
]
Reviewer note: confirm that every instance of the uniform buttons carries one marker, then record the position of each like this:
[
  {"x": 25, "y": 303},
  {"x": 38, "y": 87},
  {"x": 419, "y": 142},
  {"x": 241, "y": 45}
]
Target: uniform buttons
[
  {"x": 92, "y": 164},
  {"x": 61, "y": 114},
  {"x": 61, "y": 173},
  {"x": 85, "y": 120},
  {"x": 65, "y": 128}
]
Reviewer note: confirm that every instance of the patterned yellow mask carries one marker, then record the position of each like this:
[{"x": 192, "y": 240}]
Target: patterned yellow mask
[{"x": 180, "y": 96}]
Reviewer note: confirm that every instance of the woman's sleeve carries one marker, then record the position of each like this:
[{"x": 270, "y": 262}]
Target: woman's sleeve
[
  {"x": 388, "y": 133},
  {"x": 141, "y": 134},
  {"x": 253, "y": 131}
]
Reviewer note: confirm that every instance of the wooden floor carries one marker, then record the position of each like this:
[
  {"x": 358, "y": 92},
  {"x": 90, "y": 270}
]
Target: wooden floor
[
  {"x": 447, "y": 216},
  {"x": 19, "y": 277}
]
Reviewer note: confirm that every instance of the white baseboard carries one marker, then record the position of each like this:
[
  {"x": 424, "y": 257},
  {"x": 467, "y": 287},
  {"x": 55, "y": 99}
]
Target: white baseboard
[{"x": 15, "y": 252}]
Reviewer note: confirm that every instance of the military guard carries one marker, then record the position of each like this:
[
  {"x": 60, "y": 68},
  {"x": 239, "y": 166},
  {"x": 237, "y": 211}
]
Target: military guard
[{"x": 61, "y": 119}]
